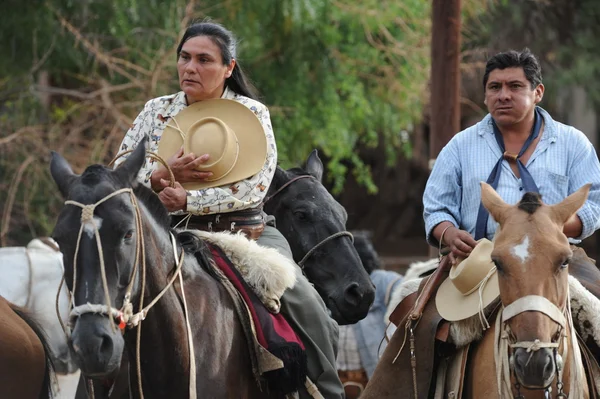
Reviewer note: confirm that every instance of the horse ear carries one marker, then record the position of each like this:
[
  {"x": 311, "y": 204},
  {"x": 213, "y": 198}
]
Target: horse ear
[
  {"x": 493, "y": 202},
  {"x": 129, "y": 169},
  {"x": 314, "y": 166},
  {"x": 567, "y": 208},
  {"x": 62, "y": 173}
]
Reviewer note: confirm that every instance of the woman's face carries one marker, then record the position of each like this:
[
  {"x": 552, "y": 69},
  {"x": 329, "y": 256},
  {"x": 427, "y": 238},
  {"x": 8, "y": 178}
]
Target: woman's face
[{"x": 201, "y": 71}]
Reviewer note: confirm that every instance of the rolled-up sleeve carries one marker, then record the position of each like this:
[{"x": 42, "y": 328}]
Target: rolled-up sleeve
[
  {"x": 442, "y": 196},
  {"x": 586, "y": 169}
]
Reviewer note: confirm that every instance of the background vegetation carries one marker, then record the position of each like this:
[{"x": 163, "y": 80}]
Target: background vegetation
[{"x": 338, "y": 75}]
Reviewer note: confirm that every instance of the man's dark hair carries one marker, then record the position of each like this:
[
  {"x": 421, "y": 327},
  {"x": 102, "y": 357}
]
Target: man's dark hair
[
  {"x": 366, "y": 252},
  {"x": 226, "y": 41},
  {"x": 515, "y": 59}
]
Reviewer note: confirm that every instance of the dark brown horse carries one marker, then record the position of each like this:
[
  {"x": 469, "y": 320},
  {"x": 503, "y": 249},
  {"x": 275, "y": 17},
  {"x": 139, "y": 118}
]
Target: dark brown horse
[
  {"x": 104, "y": 211},
  {"x": 25, "y": 368},
  {"x": 314, "y": 224}
]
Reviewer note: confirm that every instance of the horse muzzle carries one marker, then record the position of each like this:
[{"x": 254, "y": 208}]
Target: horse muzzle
[
  {"x": 536, "y": 369},
  {"x": 97, "y": 344},
  {"x": 353, "y": 305}
]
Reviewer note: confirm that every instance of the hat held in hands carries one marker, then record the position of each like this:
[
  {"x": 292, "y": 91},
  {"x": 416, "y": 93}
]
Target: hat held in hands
[
  {"x": 458, "y": 297},
  {"x": 227, "y": 131}
]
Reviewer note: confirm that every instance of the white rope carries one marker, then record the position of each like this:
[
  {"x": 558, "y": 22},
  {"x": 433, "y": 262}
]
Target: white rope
[
  {"x": 567, "y": 335},
  {"x": 482, "y": 319},
  {"x": 126, "y": 315}
]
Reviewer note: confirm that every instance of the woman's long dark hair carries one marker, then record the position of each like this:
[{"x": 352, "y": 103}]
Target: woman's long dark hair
[{"x": 227, "y": 43}]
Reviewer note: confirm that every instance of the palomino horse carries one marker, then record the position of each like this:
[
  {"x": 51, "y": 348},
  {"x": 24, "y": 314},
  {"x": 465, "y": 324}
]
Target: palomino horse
[
  {"x": 314, "y": 224},
  {"x": 534, "y": 329},
  {"x": 119, "y": 250},
  {"x": 30, "y": 279},
  {"x": 531, "y": 350},
  {"x": 25, "y": 367}
]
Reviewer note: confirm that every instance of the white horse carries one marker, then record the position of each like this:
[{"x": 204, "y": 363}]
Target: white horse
[{"x": 30, "y": 279}]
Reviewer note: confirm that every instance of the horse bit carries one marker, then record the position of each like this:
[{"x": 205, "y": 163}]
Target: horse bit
[{"x": 332, "y": 237}]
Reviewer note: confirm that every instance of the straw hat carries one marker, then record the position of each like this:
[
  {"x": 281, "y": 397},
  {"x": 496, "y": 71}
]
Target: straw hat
[
  {"x": 458, "y": 296},
  {"x": 226, "y": 130}
]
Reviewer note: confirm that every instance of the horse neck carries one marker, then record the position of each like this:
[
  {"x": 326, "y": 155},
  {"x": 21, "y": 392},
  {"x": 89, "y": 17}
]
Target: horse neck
[{"x": 165, "y": 322}]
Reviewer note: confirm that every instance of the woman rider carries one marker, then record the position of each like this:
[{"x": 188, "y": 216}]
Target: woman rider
[{"x": 208, "y": 69}]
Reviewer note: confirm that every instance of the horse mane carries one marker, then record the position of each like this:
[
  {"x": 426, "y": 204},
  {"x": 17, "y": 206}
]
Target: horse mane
[
  {"x": 298, "y": 172},
  {"x": 149, "y": 198},
  {"x": 530, "y": 202}
]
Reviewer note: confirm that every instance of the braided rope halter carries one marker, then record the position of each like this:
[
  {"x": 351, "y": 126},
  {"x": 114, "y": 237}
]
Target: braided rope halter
[
  {"x": 125, "y": 316},
  {"x": 504, "y": 336}
]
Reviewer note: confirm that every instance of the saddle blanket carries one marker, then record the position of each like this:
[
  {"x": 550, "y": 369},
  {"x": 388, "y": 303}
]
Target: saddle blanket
[{"x": 585, "y": 309}]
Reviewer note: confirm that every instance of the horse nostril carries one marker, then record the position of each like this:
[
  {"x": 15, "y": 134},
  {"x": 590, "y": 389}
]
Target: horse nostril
[
  {"x": 106, "y": 346},
  {"x": 353, "y": 294}
]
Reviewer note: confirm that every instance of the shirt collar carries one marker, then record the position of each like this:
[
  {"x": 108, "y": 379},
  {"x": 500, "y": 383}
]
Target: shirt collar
[{"x": 550, "y": 128}]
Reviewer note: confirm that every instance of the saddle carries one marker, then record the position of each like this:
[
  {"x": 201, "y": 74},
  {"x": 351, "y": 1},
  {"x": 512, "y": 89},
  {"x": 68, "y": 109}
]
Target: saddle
[{"x": 429, "y": 347}]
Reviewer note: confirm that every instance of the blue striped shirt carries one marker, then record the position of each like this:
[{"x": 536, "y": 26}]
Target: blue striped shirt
[{"x": 563, "y": 161}]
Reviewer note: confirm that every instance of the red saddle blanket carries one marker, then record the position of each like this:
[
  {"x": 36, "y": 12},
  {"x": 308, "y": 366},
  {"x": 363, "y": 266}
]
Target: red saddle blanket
[{"x": 272, "y": 331}]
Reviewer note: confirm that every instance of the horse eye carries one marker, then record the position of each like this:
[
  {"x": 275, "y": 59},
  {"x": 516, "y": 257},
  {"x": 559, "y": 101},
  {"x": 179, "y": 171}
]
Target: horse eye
[
  {"x": 565, "y": 263},
  {"x": 300, "y": 215},
  {"x": 128, "y": 235}
]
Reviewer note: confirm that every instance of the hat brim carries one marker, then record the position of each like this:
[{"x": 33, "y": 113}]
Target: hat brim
[
  {"x": 452, "y": 305},
  {"x": 250, "y": 134}
]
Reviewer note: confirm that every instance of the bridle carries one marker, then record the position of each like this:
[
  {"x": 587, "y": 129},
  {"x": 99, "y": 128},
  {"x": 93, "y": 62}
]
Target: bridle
[
  {"x": 332, "y": 237},
  {"x": 504, "y": 336},
  {"x": 125, "y": 316}
]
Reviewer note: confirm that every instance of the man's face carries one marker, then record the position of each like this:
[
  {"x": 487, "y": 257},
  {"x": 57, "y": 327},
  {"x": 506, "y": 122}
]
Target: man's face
[{"x": 509, "y": 97}]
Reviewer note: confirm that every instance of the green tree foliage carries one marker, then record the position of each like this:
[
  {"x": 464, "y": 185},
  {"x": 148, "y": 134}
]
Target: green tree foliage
[
  {"x": 562, "y": 33},
  {"x": 335, "y": 74}
]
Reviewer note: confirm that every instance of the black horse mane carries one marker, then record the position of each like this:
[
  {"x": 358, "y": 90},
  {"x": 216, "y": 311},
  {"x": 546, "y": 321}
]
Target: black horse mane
[
  {"x": 366, "y": 252},
  {"x": 530, "y": 202},
  {"x": 95, "y": 174},
  {"x": 154, "y": 205},
  {"x": 298, "y": 172}
]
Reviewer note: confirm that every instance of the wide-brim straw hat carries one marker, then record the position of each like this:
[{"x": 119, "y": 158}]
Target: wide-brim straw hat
[
  {"x": 228, "y": 131},
  {"x": 471, "y": 285}
]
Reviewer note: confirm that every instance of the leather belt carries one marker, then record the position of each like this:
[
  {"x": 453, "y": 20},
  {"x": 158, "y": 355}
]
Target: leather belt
[{"x": 250, "y": 221}]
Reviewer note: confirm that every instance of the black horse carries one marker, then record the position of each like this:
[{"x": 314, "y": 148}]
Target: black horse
[
  {"x": 107, "y": 218},
  {"x": 314, "y": 224}
]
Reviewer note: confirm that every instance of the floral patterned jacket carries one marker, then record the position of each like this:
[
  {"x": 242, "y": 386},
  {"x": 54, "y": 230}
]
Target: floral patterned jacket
[{"x": 244, "y": 194}]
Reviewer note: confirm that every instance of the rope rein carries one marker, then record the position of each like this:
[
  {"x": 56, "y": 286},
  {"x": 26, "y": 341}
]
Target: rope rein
[
  {"x": 324, "y": 241},
  {"x": 320, "y": 244}
]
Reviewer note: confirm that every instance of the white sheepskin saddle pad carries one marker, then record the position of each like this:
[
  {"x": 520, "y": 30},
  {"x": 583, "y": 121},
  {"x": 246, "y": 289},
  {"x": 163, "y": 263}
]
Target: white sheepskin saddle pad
[
  {"x": 265, "y": 270},
  {"x": 585, "y": 309}
]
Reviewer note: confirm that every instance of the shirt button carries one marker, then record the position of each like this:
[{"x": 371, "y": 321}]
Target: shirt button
[{"x": 520, "y": 188}]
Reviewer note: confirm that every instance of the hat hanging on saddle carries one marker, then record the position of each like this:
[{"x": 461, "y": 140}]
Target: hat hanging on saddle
[
  {"x": 228, "y": 131},
  {"x": 471, "y": 285}
]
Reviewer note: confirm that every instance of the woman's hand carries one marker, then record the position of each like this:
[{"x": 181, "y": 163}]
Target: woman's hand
[
  {"x": 183, "y": 167},
  {"x": 173, "y": 198}
]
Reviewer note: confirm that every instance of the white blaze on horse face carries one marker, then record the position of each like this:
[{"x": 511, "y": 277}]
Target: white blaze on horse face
[
  {"x": 521, "y": 251},
  {"x": 90, "y": 227}
]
